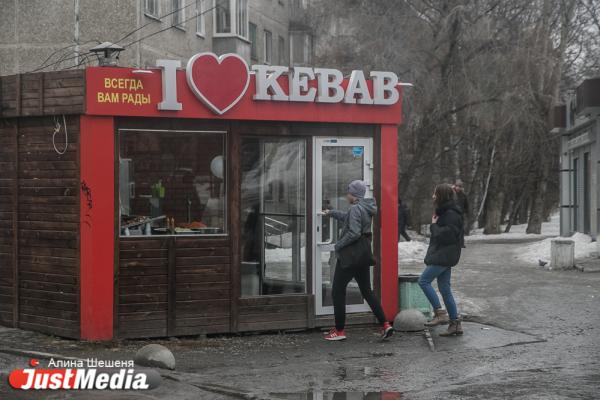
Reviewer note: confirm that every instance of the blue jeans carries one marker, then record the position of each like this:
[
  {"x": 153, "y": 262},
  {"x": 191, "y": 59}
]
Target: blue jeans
[{"x": 443, "y": 275}]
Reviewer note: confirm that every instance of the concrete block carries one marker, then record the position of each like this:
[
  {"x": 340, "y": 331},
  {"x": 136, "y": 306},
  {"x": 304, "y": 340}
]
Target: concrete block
[
  {"x": 562, "y": 254},
  {"x": 155, "y": 355},
  {"x": 411, "y": 320}
]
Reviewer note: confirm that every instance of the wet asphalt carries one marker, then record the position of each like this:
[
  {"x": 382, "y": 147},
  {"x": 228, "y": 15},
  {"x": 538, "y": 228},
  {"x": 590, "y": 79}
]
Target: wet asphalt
[{"x": 530, "y": 334}]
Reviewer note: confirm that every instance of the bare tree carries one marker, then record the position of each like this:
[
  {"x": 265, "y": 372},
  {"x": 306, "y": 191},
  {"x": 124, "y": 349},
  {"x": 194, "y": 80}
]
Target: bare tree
[{"x": 486, "y": 74}]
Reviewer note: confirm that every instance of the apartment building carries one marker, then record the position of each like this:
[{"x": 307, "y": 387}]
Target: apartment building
[
  {"x": 55, "y": 35},
  {"x": 579, "y": 126}
]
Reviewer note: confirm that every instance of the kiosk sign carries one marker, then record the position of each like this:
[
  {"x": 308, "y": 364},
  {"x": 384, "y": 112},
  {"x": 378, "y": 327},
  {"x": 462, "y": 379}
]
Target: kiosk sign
[{"x": 226, "y": 84}]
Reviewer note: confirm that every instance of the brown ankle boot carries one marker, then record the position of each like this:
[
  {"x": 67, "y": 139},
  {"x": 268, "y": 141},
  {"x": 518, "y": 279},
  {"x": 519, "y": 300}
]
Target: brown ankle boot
[
  {"x": 440, "y": 318},
  {"x": 455, "y": 328}
]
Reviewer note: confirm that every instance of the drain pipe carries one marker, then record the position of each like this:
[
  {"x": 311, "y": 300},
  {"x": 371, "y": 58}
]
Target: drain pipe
[{"x": 76, "y": 30}]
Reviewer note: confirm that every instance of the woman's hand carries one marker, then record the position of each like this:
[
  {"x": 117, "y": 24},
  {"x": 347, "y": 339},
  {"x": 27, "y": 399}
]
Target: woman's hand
[
  {"x": 324, "y": 212},
  {"x": 434, "y": 219}
]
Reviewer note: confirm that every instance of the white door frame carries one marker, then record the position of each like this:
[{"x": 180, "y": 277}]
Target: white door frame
[{"x": 317, "y": 245}]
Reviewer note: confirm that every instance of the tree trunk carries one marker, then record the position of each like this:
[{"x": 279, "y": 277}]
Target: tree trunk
[
  {"x": 536, "y": 216},
  {"x": 523, "y": 212},
  {"x": 493, "y": 212}
]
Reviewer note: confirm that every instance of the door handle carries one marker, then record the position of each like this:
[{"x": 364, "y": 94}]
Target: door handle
[{"x": 330, "y": 241}]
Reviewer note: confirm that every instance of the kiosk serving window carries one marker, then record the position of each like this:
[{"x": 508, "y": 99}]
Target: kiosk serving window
[{"x": 172, "y": 183}]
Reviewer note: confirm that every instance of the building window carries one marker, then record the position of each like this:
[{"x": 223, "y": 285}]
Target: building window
[
  {"x": 151, "y": 8},
  {"x": 242, "y": 17},
  {"x": 231, "y": 18},
  {"x": 178, "y": 13},
  {"x": 300, "y": 4},
  {"x": 301, "y": 48},
  {"x": 253, "y": 42},
  {"x": 200, "y": 18},
  {"x": 281, "y": 51},
  {"x": 222, "y": 15},
  {"x": 268, "y": 46},
  {"x": 172, "y": 183}
]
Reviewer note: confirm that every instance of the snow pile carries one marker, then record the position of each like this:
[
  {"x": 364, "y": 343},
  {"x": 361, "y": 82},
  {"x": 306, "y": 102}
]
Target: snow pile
[
  {"x": 550, "y": 228},
  {"x": 410, "y": 252},
  {"x": 531, "y": 253}
]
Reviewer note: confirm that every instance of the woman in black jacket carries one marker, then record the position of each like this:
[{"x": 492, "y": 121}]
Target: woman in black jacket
[{"x": 446, "y": 243}]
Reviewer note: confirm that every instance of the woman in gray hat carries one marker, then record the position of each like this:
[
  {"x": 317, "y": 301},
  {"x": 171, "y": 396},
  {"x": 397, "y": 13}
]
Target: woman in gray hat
[{"x": 356, "y": 225}]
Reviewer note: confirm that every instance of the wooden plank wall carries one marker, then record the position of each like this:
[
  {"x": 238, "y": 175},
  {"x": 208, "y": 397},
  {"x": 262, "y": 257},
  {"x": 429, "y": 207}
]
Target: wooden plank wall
[
  {"x": 173, "y": 286},
  {"x": 142, "y": 287},
  {"x": 48, "y": 227},
  {"x": 202, "y": 286},
  {"x": 8, "y": 155},
  {"x": 44, "y": 93},
  {"x": 39, "y": 201},
  {"x": 274, "y": 312}
]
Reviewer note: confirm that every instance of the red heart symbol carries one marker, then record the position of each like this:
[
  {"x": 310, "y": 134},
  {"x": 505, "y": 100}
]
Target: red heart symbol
[{"x": 218, "y": 82}]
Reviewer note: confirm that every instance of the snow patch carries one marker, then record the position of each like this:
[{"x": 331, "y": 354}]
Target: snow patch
[
  {"x": 410, "y": 252},
  {"x": 549, "y": 228},
  {"x": 531, "y": 253},
  {"x": 282, "y": 255}
]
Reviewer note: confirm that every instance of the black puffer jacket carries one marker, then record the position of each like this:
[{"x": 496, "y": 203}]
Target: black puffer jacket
[{"x": 447, "y": 236}]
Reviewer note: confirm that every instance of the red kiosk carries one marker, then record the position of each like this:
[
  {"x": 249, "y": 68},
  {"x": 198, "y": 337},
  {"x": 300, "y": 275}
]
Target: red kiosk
[{"x": 169, "y": 201}]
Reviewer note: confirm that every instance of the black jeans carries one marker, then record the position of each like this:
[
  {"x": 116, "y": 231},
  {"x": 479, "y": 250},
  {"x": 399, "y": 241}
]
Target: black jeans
[{"x": 341, "y": 278}]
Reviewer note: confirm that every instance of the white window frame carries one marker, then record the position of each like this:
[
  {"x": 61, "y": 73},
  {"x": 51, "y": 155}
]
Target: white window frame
[
  {"x": 181, "y": 13},
  {"x": 156, "y": 14},
  {"x": 200, "y": 22},
  {"x": 254, "y": 44},
  {"x": 281, "y": 56},
  {"x": 241, "y": 18},
  {"x": 233, "y": 21},
  {"x": 266, "y": 44}
]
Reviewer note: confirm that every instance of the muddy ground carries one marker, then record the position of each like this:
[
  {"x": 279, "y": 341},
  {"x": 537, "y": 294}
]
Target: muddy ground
[{"x": 531, "y": 334}]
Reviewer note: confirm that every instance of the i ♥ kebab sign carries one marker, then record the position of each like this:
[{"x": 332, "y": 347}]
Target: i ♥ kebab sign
[{"x": 225, "y": 86}]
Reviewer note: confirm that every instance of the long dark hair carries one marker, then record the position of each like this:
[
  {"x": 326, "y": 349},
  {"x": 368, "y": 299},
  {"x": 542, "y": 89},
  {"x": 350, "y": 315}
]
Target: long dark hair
[{"x": 443, "y": 194}]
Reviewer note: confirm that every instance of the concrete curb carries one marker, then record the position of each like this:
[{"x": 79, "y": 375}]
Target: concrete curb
[
  {"x": 507, "y": 240},
  {"x": 37, "y": 354},
  {"x": 587, "y": 269}
]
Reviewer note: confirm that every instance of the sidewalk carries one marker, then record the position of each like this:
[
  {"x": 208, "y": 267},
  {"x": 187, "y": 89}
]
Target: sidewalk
[{"x": 229, "y": 367}]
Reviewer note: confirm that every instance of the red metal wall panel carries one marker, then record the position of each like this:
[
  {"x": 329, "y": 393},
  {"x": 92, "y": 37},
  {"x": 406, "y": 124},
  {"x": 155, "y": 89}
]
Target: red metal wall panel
[
  {"x": 389, "y": 220},
  {"x": 97, "y": 226}
]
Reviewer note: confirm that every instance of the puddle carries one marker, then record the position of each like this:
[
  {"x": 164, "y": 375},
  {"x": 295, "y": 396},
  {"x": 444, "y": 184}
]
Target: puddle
[
  {"x": 323, "y": 395},
  {"x": 348, "y": 373},
  {"x": 479, "y": 336}
]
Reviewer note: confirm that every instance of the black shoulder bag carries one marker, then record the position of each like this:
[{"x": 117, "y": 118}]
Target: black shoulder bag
[{"x": 359, "y": 253}]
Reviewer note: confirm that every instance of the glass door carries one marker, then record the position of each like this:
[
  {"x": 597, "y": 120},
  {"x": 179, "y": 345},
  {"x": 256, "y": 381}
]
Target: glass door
[{"x": 337, "y": 162}]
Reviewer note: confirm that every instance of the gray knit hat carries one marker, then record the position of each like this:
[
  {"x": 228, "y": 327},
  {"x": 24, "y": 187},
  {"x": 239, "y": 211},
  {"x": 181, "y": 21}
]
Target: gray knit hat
[{"x": 357, "y": 189}]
